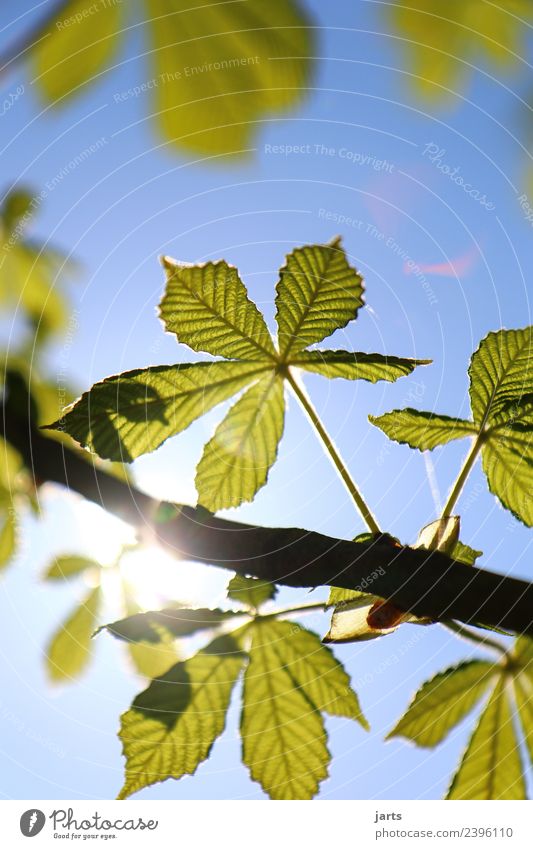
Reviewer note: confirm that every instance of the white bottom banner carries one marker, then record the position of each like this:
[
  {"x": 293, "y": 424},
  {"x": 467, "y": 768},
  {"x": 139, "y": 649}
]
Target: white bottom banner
[{"x": 313, "y": 825}]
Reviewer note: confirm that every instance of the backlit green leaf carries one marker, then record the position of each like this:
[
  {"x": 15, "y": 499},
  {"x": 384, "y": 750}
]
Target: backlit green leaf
[
  {"x": 221, "y": 67},
  {"x": 523, "y": 689},
  {"x": 79, "y": 44},
  {"x": 317, "y": 293},
  {"x": 67, "y": 566},
  {"x": 180, "y": 622},
  {"x": 501, "y": 379},
  {"x": 441, "y": 703},
  {"x": 130, "y": 414},
  {"x": 284, "y": 739},
  {"x": 441, "y": 535},
  {"x": 250, "y": 591},
  {"x": 465, "y": 553},
  {"x": 236, "y": 461},
  {"x": 171, "y": 727},
  {"x": 315, "y": 670},
  {"x": 491, "y": 767},
  {"x": 149, "y": 659},
  {"x": 356, "y": 366},
  {"x": 422, "y": 430},
  {"x": 70, "y": 648},
  {"x": 508, "y": 464},
  {"x": 208, "y": 308}
]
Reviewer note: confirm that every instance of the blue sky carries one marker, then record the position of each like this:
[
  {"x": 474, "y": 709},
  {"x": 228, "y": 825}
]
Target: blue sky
[{"x": 367, "y": 167}]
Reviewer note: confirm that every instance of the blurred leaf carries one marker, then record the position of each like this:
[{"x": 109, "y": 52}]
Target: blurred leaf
[
  {"x": 29, "y": 272},
  {"x": 491, "y": 767},
  {"x": 422, "y": 430},
  {"x": 8, "y": 537},
  {"x": 356, "y": 366},
  {"x": 180, "y": 622},
  {"x": 441, "y": 703},
  {"x": 79, "y": 44},
  {"x": 284, "y": 739},
  {"x": 437, "y": 37},
  {"x": 70, "y": 648},
  {"x": 208, "y": 309},
  {"x": 69, "y": 565},
  {"x": 133, "y": 413},
  {"x": 171, "y": 727},
  {"x": 221, "y": 68},
  {"x": 318, "y": 292},
  {"x": 237, "y": 459},
  {"x": 250, "y": 591}
]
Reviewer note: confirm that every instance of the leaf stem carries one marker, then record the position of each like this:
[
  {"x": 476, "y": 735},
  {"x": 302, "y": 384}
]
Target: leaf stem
[
  {"x": 301, "y": 608},
  {"x": 467, "y": 467},
  {"x": 327, "y": 442},
  {"x": 473, "y": 637}
]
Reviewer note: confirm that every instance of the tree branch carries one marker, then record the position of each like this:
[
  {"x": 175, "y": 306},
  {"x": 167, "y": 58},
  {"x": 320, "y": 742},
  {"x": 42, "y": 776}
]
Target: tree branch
[{"x": 426, "y": 583}]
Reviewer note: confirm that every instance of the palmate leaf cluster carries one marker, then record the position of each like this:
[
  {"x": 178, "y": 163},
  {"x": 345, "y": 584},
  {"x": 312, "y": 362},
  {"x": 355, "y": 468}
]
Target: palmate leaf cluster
[
  {"x": 207, "y": 308},
  {"x": 501, "y": 398},
  {"x": 215, "y": 72},
  {"x": 492, "y": 766},
  {"x": 290, "y": 680}
]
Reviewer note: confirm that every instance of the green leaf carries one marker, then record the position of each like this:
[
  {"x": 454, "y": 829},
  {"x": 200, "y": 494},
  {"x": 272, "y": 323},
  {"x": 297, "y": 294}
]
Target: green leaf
[
  {"x": 284, "y": 739},
  {"x": 69, "y": 565},
  {"x": 440, "y": 535},
  {"x": 8, "y": 538},
  {"x": 318, "y": 292},
  {"x": 465, "y": 553},
  {"x": 441, "y": 703},
  {"x": 501, "y": 378},
  {"x": 149, "y": 659},
  {"x": 356, "y": 366},
  {"x": 316, "y": 671},
  {"x": 524, "y": 700},
  {"x": 70, "y": 648},
  {"x": 79, "y": 44},
  {"x": 523, "y": 653},
  {"x": 236, "y": 461},
  {"x": 16, "y": 206},
  {"x": 208, "y": 309},
  {"x": 508, "y": 464},
  {"x": 491, "y": 767},
  {"x": 180, "y": 622},
  {"x": 422, "y": 430},
  {"x": 222, "y": 67},
  {"x": 250, "y": 591},
  {"x": 133, "y": 413},
  {"x": 171, "y": 727}
]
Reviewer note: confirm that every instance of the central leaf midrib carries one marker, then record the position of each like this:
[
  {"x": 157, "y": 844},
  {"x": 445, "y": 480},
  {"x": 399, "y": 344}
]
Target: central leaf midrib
[
  {"x": 499, "y": 382},
  {"x": 150, "y": 404},
  {"x": 248, "y": 428},
  {"x": 494, "y": 737},
  {"x": 227, "y": 322},
  {"x": 309, "y": 304}
]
